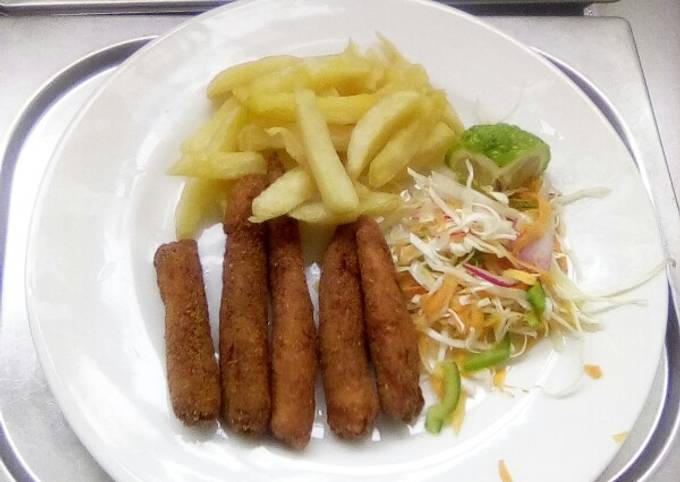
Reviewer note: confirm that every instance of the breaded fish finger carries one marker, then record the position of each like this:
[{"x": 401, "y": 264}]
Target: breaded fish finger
[
  {"x": 244, "y": 351},
  {"x": 193, "y": 374},
  {"x": 351, "y": 397},
  {"x": 392, "y": 337},
  {"x": 293, "y": 334}
]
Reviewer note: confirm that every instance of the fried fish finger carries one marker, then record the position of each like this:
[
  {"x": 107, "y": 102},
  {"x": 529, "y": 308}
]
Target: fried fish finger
[
  {"x": 351, "y": 397},
  {"x": 391, "y": 335},
  {"x": 293, "y": 333},
  {"x": 244, "y": 351},
  {"x": 193, "y": 374}
]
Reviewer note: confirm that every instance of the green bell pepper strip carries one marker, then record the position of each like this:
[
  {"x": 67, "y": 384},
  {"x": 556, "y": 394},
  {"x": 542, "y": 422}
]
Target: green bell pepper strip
[
  {"x": 536, "y": 298},
  {"x": 439, "y": 413},
  {"x": 533, "y": 320},
  {"x": 485, "y": 359}
]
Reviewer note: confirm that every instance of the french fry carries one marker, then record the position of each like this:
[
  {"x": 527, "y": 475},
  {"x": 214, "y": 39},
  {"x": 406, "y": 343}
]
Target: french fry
[
  {"x": 255, "y": 138},
  {"x": 290, "y": 138},
  {"x": 224, "y": 82},
  {"x": 335, "y": 186},
  {"x": 400, "y": 149},
  {"x": 220, "y": 165},
  {"x": 340, "y": 136},
  {"x": 376, "y": 203},
  {"x": 284, "y": 194},
  {"x": 433, "y": 150},
  {"x": 390, "y": 51},
  {"x": 371, "y": 202},
  {"x": 202, "y": 138},
  {"x": 279, "y": 108},
  {"x": 316, "y": 212},
  {"x": 202, "y": 203},
  {"x": 284, "y": 80},
  {"x": 374, "y": 129},
  {"x": 226, "y": 136},
  {"x": 453, "y": 121},
  {"x": 333, "y": 71},
  {"x": 406, "y": 77}
]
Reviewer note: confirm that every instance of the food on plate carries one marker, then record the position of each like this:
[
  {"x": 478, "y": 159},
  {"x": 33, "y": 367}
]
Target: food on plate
[
  {"x": 437, "y": 414},
  {"x": 340, "y": 123},
  {"x": 503, "y": 156},
  {"x": 392, "y": 337},
  {"x": 293, "y": 348},
  {"x": 351, "y": 397},
  {"x": 244, "y": 345},
  {"x": 201, "y": 204},
  {"x": 374, "y": 129},
  {"x": 193, "y": 374},
  {"x": 448, "y": 257},
  {"x": 288, "y": 191},
  {"x": 335, "y": 187}
]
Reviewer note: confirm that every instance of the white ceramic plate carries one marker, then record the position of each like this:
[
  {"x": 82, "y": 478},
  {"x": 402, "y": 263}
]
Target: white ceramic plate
[{"x": 105, "y": 205}]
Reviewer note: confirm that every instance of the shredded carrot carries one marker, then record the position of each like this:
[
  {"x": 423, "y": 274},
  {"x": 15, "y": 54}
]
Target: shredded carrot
[
  {"x": 620, "y": 437},
  {"x": 407, "y": 254},
  {"x": 593, "y": 371},
  {"x": 504, "y": 472},
  {"x": 537, "y": 228},
  {"x": 459, "y": 413},
  {"x": 499, "y": 378},
  {"x": 475, "y": 317},
  {"x": 409, "y": 286},
  {"x": 435, "y": 304}
]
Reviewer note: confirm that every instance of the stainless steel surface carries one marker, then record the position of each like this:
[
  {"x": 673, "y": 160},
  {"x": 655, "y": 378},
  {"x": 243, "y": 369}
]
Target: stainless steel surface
[
  {"x": 166, "y": 6},
  {"x": 40, "y": 439},
  {"x": 656, "y": 27}
]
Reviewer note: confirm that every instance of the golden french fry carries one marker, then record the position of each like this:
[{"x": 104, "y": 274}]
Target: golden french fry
[
  {"x": 316, "y": 212},
  {"x": 290, "y": 138},
  {"x": 400, "y": 149},
  {"x": 255, "y": 138},
  {"x": 340, "y": 136},
  {"x": 284, "y": 80},
  {"x": 335, "y": 186},
  {"x": 329, "y": 92},
  {"x": 279, "y": 108},
  {"x": 376, "y": 203},
  {"x": 201, "y": 204},
  {"x": 202, "y": 138},
  {"x": 284, "y": 194},
  {"x": 374, "y": 129},
  {"x": 220, "y": 165},
  {"x": 453, "y": 120},
  {"x": 370, "y": 202},
  {"x": 334, "y": 70},
  {"x": 226, "y": 136},
  {"x": 244, "y": 73},
  {"x": 390, "y": 51},
  {"x": 406, "y": 77},
  {"x": 433, "y": 150}
]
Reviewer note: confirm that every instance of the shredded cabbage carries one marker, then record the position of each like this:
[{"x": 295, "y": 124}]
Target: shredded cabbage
[{"x": 444, "y": 226}]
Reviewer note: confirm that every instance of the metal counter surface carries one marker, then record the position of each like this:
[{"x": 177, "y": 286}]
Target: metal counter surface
[{"x": 34, "y": 420}]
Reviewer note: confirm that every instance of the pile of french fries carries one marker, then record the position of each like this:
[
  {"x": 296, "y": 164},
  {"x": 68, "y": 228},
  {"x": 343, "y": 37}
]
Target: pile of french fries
[{"x": 345, "y": 126}]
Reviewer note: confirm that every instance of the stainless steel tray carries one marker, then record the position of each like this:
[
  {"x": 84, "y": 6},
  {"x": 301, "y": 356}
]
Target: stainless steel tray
[
  {"x": 35, "y": 441},
  {"x": 167, "y": 6}
]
